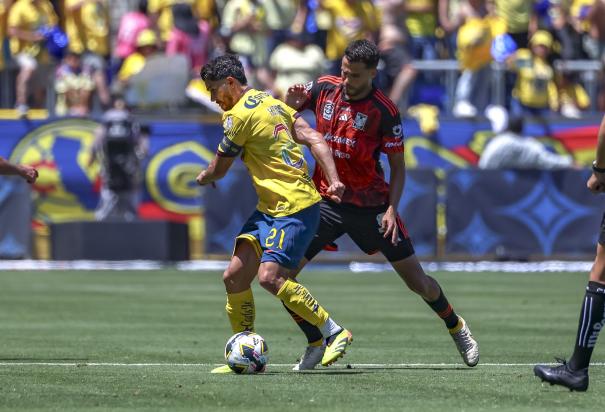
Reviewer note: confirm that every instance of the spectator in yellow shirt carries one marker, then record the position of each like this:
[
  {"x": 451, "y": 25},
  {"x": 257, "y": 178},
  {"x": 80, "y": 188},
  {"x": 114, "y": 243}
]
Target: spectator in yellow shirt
[
  {"x": 535, "y": 92},
  {"x": 25, "y": 20},
  {"x": 4, "y": 6},
  {"x": 349, "y": 20},
  {"x": 87, "y": 27},
  {"x": 146, "y": 46}
]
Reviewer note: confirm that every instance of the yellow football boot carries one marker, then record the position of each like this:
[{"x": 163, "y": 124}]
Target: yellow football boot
[{"x": 337, "y": 348}]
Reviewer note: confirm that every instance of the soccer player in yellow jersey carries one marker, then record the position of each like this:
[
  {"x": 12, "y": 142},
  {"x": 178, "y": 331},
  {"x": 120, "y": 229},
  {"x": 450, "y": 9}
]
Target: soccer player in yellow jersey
[{"x": 264, "y": 131}]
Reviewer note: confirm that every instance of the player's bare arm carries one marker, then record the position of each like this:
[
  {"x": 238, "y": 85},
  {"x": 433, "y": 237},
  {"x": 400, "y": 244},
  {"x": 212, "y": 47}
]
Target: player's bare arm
[
  {"x": 596, "y": 182},
  {"x": 305, "y": 134},
  {"x": 28, "y": 173},
  {"x": 396, "y": 183},
  {"x": 216, "y": 170},
  {"x": 296, "y": 96}
]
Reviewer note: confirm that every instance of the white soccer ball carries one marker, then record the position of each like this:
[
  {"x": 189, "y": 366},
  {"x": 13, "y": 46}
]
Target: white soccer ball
[{"x": 246, "y": 352}]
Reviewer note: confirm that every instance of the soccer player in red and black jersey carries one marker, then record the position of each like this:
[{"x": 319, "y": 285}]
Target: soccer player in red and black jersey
[{"x": 359, "y": 122}]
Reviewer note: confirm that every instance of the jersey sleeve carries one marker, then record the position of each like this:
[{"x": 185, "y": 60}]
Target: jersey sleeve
[
  {"x": 234, "y": 137},
  {"x": 392, "y": 133}
]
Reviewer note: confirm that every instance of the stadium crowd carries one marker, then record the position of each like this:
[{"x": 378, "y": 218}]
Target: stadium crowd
[{"x": 81, "y": 50}]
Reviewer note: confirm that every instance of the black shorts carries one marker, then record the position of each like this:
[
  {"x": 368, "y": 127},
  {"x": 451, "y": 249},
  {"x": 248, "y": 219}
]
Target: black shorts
[
  {"x": 363, "y": 225},
  {"x": 601, "y": 233}
]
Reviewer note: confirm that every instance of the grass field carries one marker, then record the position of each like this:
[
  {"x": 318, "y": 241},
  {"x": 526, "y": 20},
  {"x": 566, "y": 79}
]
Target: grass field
[{"x": 147, "y": 340}]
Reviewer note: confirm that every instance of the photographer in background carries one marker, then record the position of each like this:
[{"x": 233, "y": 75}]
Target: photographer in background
[{"x": 121, "y": 144}]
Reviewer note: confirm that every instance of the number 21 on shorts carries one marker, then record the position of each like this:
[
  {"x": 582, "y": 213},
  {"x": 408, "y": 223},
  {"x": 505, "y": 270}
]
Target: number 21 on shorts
[{"x": 273, "y": 234}]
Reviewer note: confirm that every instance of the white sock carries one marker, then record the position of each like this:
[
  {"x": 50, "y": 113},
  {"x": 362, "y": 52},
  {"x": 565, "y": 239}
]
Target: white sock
[{"x": 329, "y": 328}]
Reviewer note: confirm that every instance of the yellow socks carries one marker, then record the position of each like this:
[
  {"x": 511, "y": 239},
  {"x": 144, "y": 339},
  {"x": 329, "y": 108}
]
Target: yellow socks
[
  {"x": 298, "y": 299},
  {"x": 240, "y": 309}
]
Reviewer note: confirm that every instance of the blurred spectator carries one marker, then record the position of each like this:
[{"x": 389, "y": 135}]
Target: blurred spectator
[
  {"x": 121, "y": 146},
  {"x": 398, "y": 73},
  {"x": 511, "y": 150},
  {"x": 296, "y": 61},
  {"x": 131, "y": 25},
  {"x": 535, "y": 91},
  {"x": 349, "y": 20},
  {"x": 74, "y": 85},
  {"x": 146, "y": 46},
  {"x": 4, "y": 6},
  {"x": 161, "y": 13},
  {"x": 26, "y": 19},
  {"x": 189, "y": 37},
  {"x": 208, "y": 10},
  {"x": 474, "y": 43},
  {"x": 421, "y": 21},
  {"x": 280, "y": 16},
  {"x": 573, "y": 99},
  {"x": 557, "y": 19},
  {"x": 244, "y": 25},
  {"x": 87, "y": 26},
  {"x": 516, "y": 15},
  {"x": 594, "y": 27},
  {"x": 451, "y": 17}
]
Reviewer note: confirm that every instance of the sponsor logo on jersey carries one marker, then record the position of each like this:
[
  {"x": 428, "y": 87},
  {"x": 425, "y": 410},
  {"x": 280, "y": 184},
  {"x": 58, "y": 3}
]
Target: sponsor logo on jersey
[
  {"x": 330, "y": 138},
  {"x": 360, "y": 121},
  {"x": 341, "y": 155},
  {"x": 328, "y": 111},
  {"x": 343, "y": 117},
  {"x": 396, "y": 143}
]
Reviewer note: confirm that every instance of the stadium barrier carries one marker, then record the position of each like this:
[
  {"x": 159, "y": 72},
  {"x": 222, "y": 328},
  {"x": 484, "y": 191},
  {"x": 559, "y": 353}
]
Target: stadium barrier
[
  {"x": 141, "y": 240},
  {"x": 435, "y": 209}
]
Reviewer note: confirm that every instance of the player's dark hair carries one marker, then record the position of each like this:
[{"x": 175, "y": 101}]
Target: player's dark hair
[
  {"x": 224, "y": 66},
  {"x": 142, "y": 6},
  {"x": 363, "y": 51}
]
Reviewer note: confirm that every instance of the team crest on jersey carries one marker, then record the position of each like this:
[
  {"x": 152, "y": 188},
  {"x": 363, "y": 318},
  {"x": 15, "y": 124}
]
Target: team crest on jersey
[
  {"x": 397, "y": 131},
  {"x": 328, "y": 111},
  {"x": 360, "y": 121}
]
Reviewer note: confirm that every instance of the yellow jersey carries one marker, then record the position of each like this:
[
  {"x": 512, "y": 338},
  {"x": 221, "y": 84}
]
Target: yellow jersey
[
  {"x": 25, "y": 15},
  {"x": 261, "y": 126},
  {"x": 131, "y": 66},
  {"x": 535, "y": 86},
  {"x": 87, "y": 27}
]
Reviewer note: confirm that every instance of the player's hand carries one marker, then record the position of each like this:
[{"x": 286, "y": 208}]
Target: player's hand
[
  {"x": 596, "y": 183},
  {"x": 335, "y": 191},
  {"x": 29, "y": 173},
  {"x": 389, "y": 225},
  {"x": 200, "y": 178},
  {"x": 296, "y": 96}
]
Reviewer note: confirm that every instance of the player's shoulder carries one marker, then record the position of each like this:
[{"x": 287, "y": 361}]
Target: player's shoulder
[
  {"x": 329, "y": 81},
  {"x": 384, "y": 104}
]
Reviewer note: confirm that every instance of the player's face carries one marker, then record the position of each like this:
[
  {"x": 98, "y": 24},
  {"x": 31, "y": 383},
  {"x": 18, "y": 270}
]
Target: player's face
[
  {"x": 221, "y": 92},
  {"x": 356, "y": 78}
]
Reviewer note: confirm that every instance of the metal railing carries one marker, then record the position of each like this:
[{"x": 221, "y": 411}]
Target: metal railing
[{"x": 449, "y": 69}]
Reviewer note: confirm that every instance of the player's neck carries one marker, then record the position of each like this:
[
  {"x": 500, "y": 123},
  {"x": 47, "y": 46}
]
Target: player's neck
[
  {"x": 357, "y": 97},
  {"x": 241, "y": 91}
]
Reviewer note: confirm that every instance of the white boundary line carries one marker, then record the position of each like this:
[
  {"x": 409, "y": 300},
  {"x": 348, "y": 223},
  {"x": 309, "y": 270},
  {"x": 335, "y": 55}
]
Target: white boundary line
[
  {"x": 355, "y": 267},
  {"x": 277, "y": 365}
]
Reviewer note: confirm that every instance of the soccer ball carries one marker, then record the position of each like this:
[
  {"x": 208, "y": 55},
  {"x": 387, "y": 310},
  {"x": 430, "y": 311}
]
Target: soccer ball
[{"x": 246, "y": 352}]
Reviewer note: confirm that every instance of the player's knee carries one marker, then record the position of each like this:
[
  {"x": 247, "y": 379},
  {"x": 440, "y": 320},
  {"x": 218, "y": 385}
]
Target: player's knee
[
  {"x": 229, "y": 276},
  {"x": 269, "y": 280}
]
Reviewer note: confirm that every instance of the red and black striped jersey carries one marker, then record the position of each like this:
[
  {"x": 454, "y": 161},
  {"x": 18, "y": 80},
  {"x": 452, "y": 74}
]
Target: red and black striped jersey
[{"x": 356, "y": 132}]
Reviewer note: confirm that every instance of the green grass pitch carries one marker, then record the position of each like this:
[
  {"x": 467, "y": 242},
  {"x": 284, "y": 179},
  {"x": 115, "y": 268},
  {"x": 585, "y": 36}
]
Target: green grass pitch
[{"x": 97, "y": 340}]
